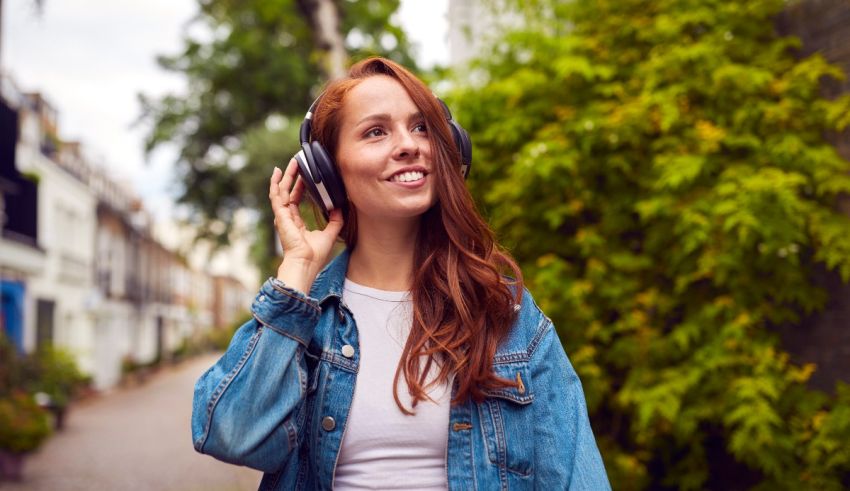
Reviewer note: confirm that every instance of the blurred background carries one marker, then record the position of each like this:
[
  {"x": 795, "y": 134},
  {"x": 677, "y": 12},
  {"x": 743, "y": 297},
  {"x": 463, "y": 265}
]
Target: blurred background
[{"x": 672, "y": 176}]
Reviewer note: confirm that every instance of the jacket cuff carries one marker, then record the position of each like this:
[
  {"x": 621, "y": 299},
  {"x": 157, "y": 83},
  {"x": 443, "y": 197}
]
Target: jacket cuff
[{"x": 286, "y": 310}]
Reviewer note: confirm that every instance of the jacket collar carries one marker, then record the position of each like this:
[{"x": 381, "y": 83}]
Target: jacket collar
[{"x": 330, "y": 281}]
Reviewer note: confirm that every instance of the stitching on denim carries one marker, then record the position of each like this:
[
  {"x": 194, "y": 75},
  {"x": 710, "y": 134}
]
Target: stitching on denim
[
  {"x": 510, "y": 396},
  {"x": 318, "y": 435},
  {"x": 306, "y": 301},
  {"x": 486, "y": 431},
  {"x": 464, "y": 440},
  {"x": 501, "y": 440},
  {"x": 281, "y": 331},
  {"x": 472, "y": 456},
  {"x": 510, "y": 393},
  {"x": 542, "y": 330},
  {"x": 302, "y": 379},
  {"x": 506, "y": 358},
  {"x": 307, "y": 437},
  {"x": 292, "y": 433},
  {"x": 225, "y": 383},
  {"x": 301, "y": 475},
  {"x": 501, "y": 447},
  {"x": 340, "y": 361}
]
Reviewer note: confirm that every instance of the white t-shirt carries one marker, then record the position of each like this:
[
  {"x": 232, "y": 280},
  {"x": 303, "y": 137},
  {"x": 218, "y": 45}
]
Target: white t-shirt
[{"x": 382, "y": 447}]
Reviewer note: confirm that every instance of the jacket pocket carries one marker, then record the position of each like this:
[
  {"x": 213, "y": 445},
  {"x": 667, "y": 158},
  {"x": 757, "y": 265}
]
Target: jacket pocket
[{"x": 507, "y": 421}]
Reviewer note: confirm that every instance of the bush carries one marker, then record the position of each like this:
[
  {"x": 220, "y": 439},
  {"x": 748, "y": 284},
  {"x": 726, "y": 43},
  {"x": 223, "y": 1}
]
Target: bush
[
  {"x": 58, "y": 376},
  {"x": 23, "y": 424},
  {"x": 660, "y": 170}
]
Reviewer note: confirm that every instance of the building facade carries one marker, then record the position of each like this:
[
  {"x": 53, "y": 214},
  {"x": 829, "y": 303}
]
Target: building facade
[
  {"x": 21, "y": 258},
  {"x": 80, "y": 265}
]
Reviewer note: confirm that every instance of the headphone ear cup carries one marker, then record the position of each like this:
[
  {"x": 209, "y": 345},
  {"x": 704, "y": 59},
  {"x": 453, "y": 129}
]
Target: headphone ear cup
[
  {"x": 330, "y": 178},
  {"x": 464, "y": 146},
  {"x": 312, "y": 178}
]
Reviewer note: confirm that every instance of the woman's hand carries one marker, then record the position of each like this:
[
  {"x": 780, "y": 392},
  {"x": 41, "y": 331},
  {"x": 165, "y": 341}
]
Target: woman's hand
[{"x": 305, "y": 252}]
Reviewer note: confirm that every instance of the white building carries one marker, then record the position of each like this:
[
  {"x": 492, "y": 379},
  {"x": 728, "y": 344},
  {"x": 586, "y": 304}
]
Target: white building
[
  {"x": 21, "y": 259},
  {"x": 63, "y": 291},
  {"x": 235, "y": 278},
  {"x": 80, "y": 265}
]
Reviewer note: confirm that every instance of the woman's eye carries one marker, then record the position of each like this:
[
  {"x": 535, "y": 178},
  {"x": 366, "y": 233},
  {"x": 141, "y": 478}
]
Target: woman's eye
[
  {"x": 375, "y": 132},
  {"x": 420, "y": 127}
]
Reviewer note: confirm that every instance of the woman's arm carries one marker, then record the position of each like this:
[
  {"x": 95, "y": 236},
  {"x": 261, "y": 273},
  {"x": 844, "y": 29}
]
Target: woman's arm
[
  {"x": 566, "y": 452},
  {"x": 248, "y": 407}
]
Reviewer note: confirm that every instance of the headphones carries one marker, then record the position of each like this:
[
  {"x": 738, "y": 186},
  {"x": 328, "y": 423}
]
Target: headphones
[{"x": 323, "y": 182}]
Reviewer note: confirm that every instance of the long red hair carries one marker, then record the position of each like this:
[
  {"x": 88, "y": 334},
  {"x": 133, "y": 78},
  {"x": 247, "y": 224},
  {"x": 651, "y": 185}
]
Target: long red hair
[{"x": 463, "y": 305}]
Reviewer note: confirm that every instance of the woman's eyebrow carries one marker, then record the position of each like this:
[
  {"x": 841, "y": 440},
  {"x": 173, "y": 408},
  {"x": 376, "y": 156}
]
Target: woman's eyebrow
[
  {"x": 387, "y": 117},
  {"x": 374, "y": 117}
]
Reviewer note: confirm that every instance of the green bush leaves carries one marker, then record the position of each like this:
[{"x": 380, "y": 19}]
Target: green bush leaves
[{"x": 661, "y": 171}]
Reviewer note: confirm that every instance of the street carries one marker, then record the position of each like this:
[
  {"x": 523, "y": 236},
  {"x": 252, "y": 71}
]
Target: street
[{"x": 133, "y": 439}]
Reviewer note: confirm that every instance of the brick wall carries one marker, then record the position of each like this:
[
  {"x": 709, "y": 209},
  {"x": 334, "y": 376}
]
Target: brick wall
[{"x": 824, "y": 26}]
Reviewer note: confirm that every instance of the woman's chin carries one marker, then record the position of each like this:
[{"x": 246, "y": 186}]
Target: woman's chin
[{"x": 395, "y": 211}]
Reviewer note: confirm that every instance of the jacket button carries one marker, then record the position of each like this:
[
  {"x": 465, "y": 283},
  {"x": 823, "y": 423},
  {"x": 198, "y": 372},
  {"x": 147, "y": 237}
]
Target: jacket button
[
  {"x": 348, "y": 351},
  {"x": 328, "y": 423},
  {"x": 262, "y": 298}
]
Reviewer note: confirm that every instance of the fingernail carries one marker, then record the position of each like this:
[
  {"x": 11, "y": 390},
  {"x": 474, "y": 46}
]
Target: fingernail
[{"x": 276, "y": 169}]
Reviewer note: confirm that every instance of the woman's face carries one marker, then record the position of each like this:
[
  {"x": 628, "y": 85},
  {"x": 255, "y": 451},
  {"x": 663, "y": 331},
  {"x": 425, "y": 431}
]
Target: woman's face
[{"x": 383, "y": 152}]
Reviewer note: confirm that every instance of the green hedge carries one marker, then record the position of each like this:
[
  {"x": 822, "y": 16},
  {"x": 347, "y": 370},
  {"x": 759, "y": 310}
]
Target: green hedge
[{"x": 660, "y": 170}]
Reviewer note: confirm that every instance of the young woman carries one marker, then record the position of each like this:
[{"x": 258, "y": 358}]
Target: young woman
[{"x": 411, "y": 361}]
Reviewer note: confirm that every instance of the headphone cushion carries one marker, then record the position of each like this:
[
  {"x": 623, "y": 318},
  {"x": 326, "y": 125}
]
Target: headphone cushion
[
  {"x": 463, "y": 143},
  {"x": 330, "y": 177},
  {"x": 310, "y": 175}
]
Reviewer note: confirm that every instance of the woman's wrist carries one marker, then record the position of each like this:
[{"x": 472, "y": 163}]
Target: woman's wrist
[{"x": 297, "y": 274}]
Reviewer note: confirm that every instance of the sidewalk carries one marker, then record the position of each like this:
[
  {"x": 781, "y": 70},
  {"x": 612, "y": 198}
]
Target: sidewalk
[{"x": 133, "y": 439}]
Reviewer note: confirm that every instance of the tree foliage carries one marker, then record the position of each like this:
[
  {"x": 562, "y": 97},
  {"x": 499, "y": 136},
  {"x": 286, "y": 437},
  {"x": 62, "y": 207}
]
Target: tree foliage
[
  {"x": 252, "y": 72},
  {"x": 661, "y": 172}
]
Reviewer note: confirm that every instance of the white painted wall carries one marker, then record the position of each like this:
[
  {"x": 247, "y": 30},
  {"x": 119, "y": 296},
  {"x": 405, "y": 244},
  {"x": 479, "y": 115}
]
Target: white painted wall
[{"x": 66, "y": 234}]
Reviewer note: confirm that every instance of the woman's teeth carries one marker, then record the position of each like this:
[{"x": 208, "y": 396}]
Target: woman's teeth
[{"x": 408, "y": 176}]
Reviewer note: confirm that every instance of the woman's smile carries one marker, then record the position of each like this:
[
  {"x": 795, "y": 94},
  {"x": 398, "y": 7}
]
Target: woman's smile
[{"x": 409, "y": 177}]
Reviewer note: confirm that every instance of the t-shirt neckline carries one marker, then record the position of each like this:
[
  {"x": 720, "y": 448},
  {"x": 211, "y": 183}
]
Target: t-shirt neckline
[{"x": 384, "y": 295}]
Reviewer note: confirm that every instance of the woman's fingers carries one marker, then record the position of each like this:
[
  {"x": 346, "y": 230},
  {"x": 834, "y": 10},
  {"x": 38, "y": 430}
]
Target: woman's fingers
[
  {"x": 277, "y": 174},
  {"x": 286, "y": 189},
  {"x": 295, "y": 200},
  {"x": 285, "y": 185},
  {"x": 279, "y": 196},
  {"x": 335, "y": 222},
  {"x": 297, "y": 191},
  {"x": 274, "y": 195}
]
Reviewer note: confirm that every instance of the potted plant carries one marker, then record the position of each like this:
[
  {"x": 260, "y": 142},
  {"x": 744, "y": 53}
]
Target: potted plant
[
  {"x": 23, "y": 427},
  {"x": 57, "y": 381}
]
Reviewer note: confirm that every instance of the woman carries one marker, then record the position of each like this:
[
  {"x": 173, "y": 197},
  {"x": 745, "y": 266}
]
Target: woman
[{"x": 413, "y": 362}]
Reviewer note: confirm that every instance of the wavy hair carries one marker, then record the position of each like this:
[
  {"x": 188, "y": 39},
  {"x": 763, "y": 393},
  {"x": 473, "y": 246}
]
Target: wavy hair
[{"x": 463, "y": 304}]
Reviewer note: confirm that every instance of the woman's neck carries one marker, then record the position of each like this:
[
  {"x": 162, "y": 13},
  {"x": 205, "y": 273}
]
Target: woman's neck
[{"x": 383, "y": 256}]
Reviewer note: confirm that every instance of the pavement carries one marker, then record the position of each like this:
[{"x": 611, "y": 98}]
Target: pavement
[{"x": 133, "y": 439}]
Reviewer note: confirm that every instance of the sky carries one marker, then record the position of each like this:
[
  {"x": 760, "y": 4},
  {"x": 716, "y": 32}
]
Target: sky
[{"x": 90, "y": 59}]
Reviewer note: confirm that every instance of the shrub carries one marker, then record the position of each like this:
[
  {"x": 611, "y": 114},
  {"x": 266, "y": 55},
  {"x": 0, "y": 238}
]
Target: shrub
[
  {"x": 661, "y": 172},
  {"x": 23, "y": 424}
]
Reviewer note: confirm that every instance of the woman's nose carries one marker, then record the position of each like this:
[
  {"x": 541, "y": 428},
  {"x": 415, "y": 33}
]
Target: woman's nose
[{"x": 405, "y": 145}]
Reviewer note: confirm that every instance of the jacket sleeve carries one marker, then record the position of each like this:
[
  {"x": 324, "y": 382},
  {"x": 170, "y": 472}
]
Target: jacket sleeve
[
  {"x": 571, "y": 459},
  {"x": 248, "y": 407}
]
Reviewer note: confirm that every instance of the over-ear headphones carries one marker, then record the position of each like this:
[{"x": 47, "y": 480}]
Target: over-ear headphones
[{"x": 319, "y": 173}]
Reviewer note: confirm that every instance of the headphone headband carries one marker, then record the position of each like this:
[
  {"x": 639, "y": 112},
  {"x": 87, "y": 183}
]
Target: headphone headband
[{"x": 306, "y": 125}]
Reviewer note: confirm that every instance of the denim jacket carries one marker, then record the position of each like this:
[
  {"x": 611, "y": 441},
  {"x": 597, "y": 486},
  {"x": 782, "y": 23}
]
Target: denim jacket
[{"x": 279, "y": 397}]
